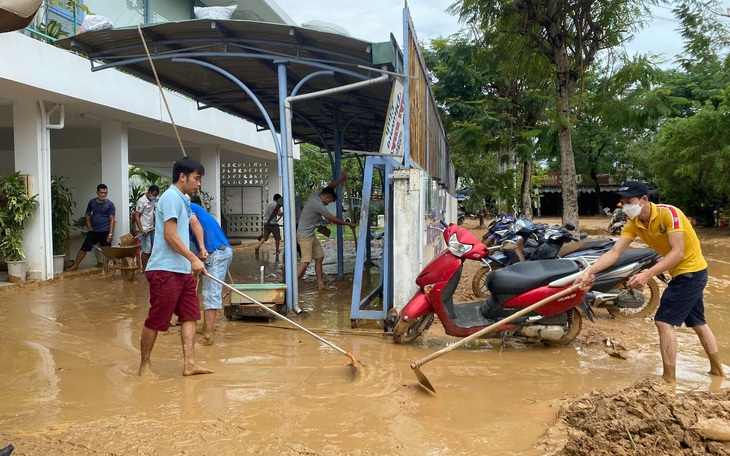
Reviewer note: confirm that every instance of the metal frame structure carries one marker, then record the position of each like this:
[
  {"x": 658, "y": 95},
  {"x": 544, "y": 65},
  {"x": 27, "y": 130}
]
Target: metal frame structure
[{"x": 335, "y": 72}]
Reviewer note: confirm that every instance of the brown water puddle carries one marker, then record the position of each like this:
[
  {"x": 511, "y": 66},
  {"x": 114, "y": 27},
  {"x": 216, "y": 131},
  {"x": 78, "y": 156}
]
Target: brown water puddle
[{"x": 68, "y": 385}]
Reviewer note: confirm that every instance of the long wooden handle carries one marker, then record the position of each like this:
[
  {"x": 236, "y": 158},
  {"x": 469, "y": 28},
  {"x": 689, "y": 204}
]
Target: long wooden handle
[
  {"x": 278, "y": 315},
  {"x": 494, "y": 326},
  {"x": 352, "y": 209}
]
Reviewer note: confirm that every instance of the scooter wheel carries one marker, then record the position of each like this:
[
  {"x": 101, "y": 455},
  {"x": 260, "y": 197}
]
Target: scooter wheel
[
  {"x": 651, "y": 302},
  {"x": 575, "y": 326},
  {"x": 479, "y": 282},
  {"x": 406, "y": 332}
]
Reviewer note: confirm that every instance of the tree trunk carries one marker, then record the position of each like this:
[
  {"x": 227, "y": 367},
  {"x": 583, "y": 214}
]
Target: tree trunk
[
  {"x": 526, "y": 189},
  {"x": 597, "y": 187},
  {"x": 506, "y": 160},
  {"x": 567, "y": 161}
]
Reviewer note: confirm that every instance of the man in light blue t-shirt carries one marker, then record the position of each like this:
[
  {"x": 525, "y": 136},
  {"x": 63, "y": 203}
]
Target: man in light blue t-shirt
[{"x": 172, "y": 286}]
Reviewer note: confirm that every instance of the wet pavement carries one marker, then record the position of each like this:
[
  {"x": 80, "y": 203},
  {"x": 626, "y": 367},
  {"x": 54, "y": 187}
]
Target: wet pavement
[{"x": 69, "y": 384}]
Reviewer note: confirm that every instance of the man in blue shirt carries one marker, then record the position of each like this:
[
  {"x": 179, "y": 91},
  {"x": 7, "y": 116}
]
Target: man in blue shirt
[
  {"x": 172, "y": 286},
  {"x": 100, "y": 214},
  {"x": 213, "y": 248}
]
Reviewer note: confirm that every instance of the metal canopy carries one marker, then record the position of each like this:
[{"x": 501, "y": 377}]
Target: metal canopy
[
  {"x": 251, "y": 52},
  {"x": 318, "y": 87}
]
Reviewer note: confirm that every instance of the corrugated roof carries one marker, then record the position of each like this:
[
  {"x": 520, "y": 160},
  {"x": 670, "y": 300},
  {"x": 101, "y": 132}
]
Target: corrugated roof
[
  {"x": 251, "y": 51},
  {"x": 581, "y": 189}
]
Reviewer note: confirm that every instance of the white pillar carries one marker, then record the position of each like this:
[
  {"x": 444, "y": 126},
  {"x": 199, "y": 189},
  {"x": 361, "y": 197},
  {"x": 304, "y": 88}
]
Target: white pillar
[
  {"x": 210, "y": 157},
  {"x": 115, "y": 172},
  {"x": 274, "y": 183},
  {"x": 33, "y": 157},
  {"x": 409, "y": 231}
]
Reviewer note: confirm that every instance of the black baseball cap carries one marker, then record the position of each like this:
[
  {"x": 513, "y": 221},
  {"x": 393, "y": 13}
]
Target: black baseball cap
[{"x": 633, "y": 188}]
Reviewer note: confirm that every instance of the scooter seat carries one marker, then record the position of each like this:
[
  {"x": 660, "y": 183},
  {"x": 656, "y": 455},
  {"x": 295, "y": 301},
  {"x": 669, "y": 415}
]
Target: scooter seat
[
  {"x": 525, "y": 276},
  {"x": 586, "y": 244},
  {"x": 635, "y": 256}
]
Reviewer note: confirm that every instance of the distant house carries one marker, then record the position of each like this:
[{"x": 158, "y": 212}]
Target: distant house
[{"x": 592, "y": 195}]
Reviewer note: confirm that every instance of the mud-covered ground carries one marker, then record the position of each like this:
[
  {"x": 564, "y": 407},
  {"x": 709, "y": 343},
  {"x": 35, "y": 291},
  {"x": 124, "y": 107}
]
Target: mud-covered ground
[
  {"x": 69, "y": 351},
  {"x": 647, "y": 418}
]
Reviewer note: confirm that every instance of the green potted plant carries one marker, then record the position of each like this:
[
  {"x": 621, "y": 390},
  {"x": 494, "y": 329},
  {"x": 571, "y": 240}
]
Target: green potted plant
[
  {"x": 62, "y": 207},
  {"x": 16, "y": 209}
]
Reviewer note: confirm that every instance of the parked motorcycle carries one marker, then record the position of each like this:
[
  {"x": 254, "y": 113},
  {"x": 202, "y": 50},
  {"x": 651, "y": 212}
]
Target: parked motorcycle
[
  {"x": 610, "y": 290},
  {"x": 536, "y": 243},
  {"x": 511, "y": 290},
  {"x": 497, "y": 228}
]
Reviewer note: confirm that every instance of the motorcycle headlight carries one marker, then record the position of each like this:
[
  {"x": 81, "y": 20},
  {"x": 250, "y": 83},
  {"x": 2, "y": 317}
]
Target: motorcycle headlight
[
  {"x": 457, "y": 248},
  {"x": 519, "y": 224}
]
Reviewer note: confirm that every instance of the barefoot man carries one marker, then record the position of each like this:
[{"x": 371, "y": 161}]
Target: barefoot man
[
  {"x": 667, "y": 230},
  {"x": 314, "y": 209},
  {"x": 172, "y": 286}
]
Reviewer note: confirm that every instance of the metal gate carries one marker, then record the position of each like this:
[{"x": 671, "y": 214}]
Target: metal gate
[{"x": 245, "y": 192}]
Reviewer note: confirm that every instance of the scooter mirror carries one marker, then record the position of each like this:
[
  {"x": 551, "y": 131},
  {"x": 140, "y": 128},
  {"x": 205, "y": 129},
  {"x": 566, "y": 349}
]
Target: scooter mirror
[{"x": 516, "y": 246}]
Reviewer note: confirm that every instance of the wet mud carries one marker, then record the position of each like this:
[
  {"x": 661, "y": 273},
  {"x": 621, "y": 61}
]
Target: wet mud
[{"x": 69, "y": 352}]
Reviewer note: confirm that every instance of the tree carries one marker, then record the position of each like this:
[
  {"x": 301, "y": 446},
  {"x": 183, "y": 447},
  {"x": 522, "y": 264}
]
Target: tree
[
  {"x": 691, "y": 160},
  {"x": 314, "y": 170},
  {"x": 615, "y": 111},
  {"x": 568, "y": 34},
  {"x": 491, "y": 93},
  {"x": 688, "y": 156}
]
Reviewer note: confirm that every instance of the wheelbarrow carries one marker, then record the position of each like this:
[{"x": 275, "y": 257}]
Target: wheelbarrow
[{"x": 120, "y": 259}]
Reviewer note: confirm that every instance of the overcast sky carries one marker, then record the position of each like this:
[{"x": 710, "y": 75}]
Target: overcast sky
[{"x": 374, "y": 20}]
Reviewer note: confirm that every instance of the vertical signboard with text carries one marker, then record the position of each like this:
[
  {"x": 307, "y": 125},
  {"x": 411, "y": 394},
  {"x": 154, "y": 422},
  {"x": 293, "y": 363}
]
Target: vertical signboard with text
[{"x": 393, "y": 142}]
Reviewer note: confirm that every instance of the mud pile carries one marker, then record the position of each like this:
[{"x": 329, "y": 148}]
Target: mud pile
[{"x": 646, "y": 419}]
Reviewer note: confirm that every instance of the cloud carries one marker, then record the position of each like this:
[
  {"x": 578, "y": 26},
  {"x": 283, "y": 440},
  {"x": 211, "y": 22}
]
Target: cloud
[{"x": 375, "y": 20}]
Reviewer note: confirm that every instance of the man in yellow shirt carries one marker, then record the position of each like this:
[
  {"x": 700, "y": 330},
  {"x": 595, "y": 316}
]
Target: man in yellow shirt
[{"x": 667, "y": 230}]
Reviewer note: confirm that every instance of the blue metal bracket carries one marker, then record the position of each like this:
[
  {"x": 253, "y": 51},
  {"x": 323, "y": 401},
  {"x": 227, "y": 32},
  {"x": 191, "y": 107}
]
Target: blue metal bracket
[{"x": 365, "y": 307}]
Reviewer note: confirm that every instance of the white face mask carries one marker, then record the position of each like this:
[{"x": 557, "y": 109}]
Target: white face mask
[{"x": 632, "y": 210}]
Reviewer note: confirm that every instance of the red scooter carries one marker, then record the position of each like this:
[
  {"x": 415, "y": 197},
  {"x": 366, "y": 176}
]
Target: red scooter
[{"x": 511, "y": 290}]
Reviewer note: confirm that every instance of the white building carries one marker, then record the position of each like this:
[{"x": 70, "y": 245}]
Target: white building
[{"x": 59, "y": 118}]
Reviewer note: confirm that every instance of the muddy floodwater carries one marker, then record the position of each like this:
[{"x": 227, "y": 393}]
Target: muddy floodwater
[{"x": 69, "y": 354}]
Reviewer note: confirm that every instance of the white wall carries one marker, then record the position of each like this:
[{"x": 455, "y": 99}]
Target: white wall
[
  {"x": 33, "y": 71},
  {"x": 117, "y": 11},
  {"x": 418, "y": 236},
  {"x": 7, "y": 162},
  {"x": 171, "y": 10},
  {"x": 31, "y": 68},
  {"x": 83, "y": 179}
]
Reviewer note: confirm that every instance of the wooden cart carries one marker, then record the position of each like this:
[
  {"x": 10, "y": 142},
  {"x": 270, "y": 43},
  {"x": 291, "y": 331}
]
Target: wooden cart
[
  {"x": 120, "y": 258},
  {"x": 272, "y": 295}
]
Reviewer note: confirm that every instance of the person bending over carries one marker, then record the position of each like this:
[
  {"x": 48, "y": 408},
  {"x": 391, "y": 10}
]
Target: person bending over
[
  {"x": 667, "y": 230},
  {"x": 314, "y": 209}
]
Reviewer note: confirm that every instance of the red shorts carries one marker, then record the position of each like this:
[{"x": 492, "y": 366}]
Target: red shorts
[{"x": 171, "y": 293}]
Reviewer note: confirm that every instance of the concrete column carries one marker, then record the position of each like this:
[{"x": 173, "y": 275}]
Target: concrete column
[
  {"x": 210, "y": 157},
  {"x": 409, "y": 233},
  {"x": 115, "y": 172},
  {"x": 32, "y": 156},
  {"x": 274, "y": 183}
]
